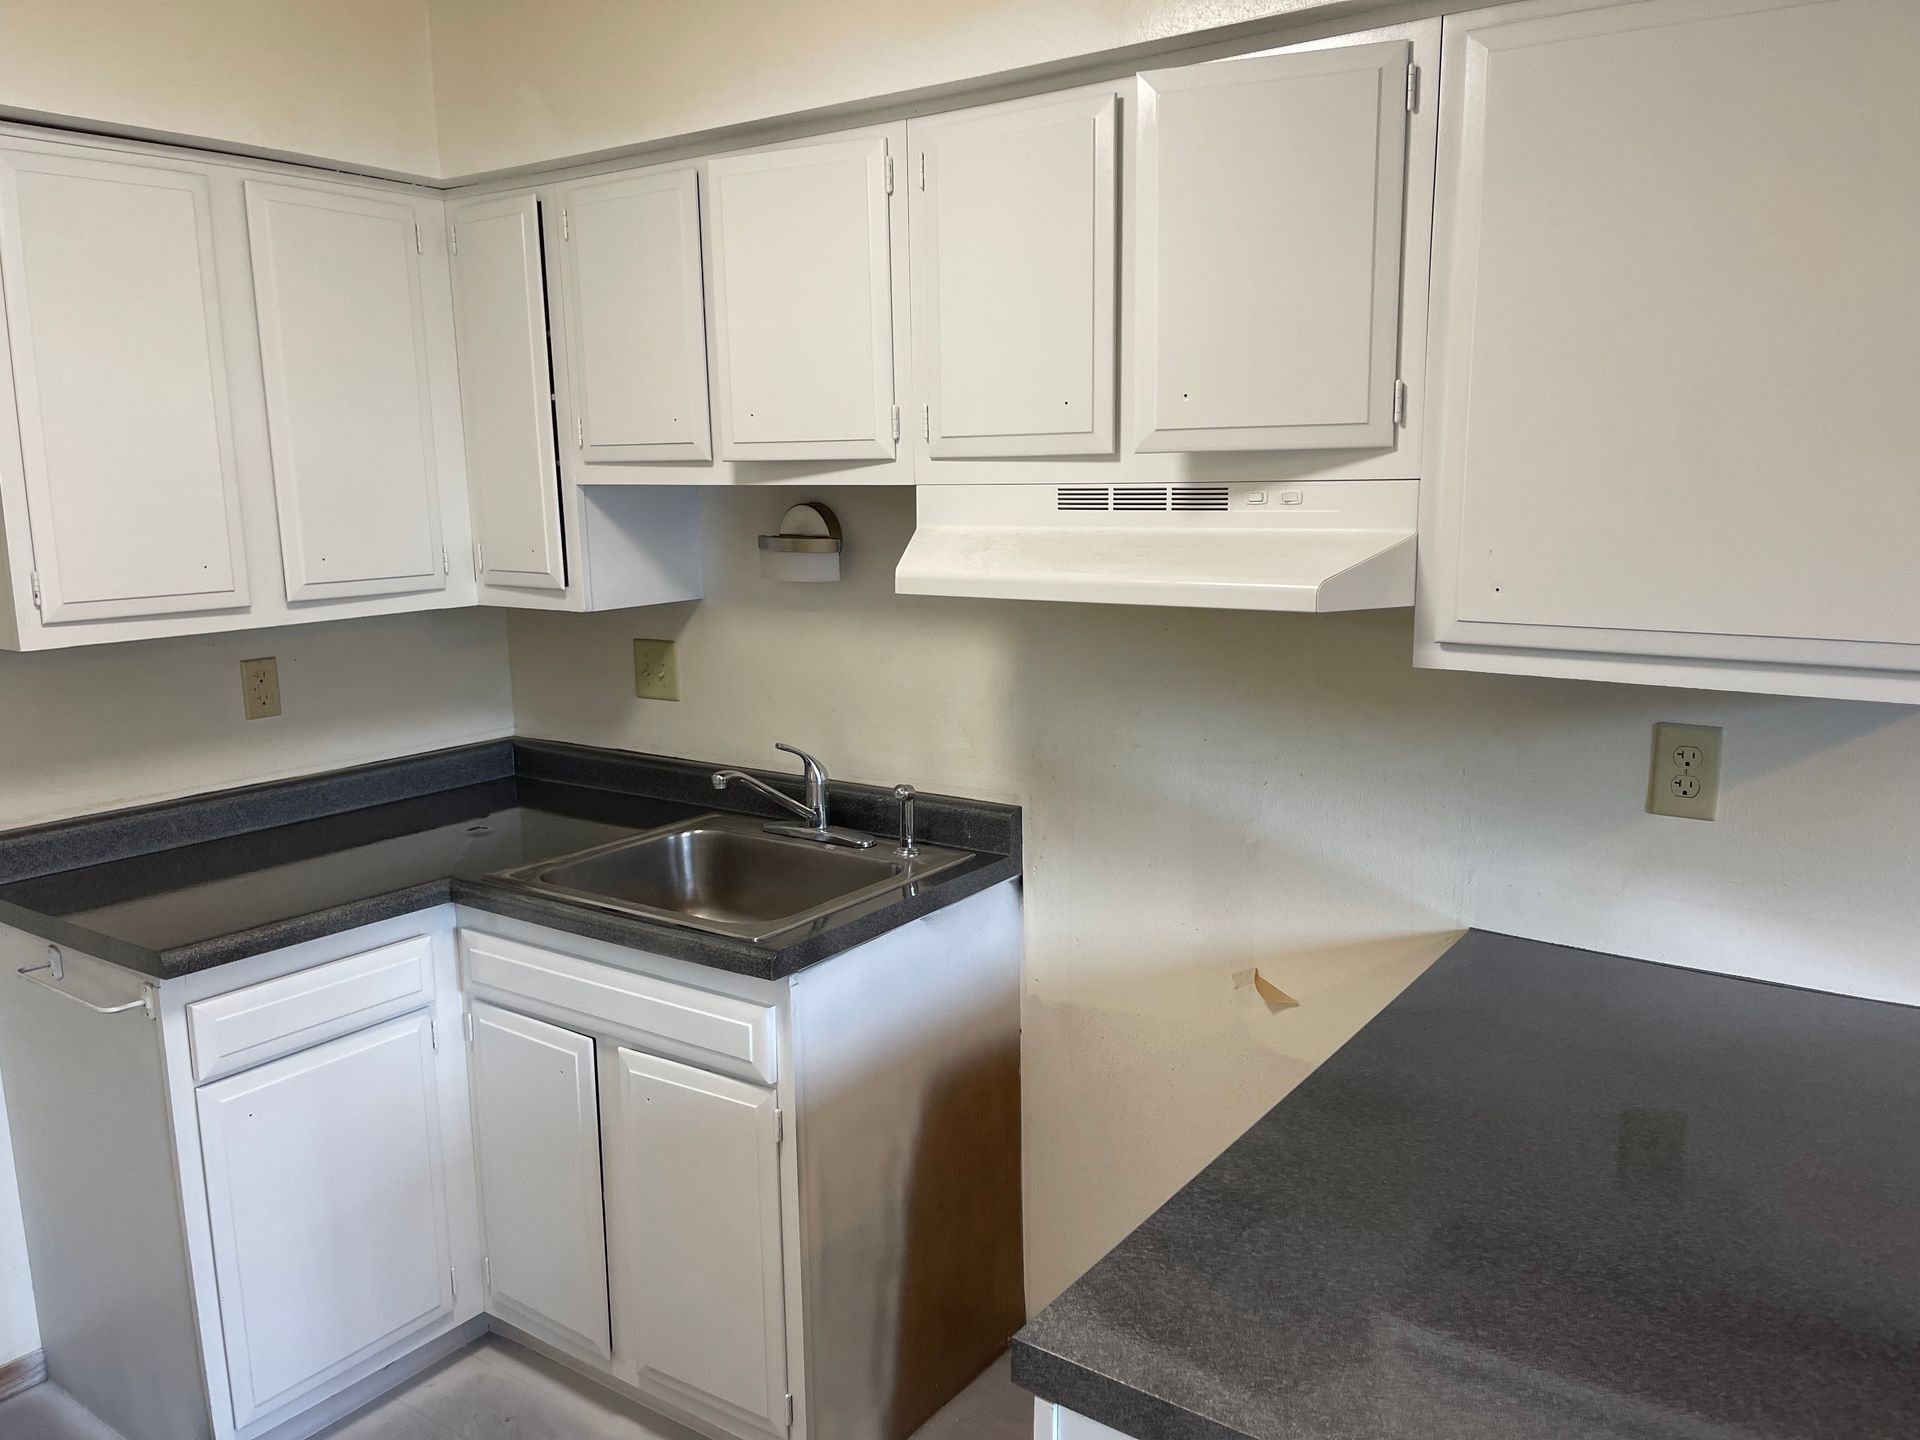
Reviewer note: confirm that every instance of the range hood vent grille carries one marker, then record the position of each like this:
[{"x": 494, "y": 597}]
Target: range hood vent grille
[{"x": 1136, "y": 498}]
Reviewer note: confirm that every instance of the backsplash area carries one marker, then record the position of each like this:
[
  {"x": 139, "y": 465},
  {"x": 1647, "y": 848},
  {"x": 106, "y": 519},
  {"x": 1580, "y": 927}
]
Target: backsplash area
[{"x": 1204, "y": 790}]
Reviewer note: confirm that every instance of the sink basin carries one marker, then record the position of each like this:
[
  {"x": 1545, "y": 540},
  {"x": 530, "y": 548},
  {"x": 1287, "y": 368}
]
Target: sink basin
[{"x": 724, "y": 874}]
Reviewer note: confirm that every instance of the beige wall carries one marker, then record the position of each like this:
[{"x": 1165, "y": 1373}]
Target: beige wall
[
  {"x": 517, "y": 82},
  {"x": 345, "y": 80},
  {"x": 1208, "y": 790},
  {"x": 102, "y": 728}
]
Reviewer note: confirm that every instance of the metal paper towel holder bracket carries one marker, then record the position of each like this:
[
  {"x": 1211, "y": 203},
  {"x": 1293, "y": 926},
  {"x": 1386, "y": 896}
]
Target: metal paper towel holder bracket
[{"x": 807, "y": 547}]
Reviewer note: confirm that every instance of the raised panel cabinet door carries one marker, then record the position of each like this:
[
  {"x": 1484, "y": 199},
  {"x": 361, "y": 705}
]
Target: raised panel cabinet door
[
  {"x": 630, "y": 254},
  {"x": 1677, "y": 330},
  {"x": 506, "y": 393},
  {"x": 120, "y": 384},
  {"x": 537, "y": 1120},
  {"x": 1014, "y": 236},
  {"x": 803, "y": 301},
  {"x": 327, "y": 1196},
  {"x": 695, "y": 1215},
  {"x": 1271, "y": 196},
  {"x": 343, "y": 342}
]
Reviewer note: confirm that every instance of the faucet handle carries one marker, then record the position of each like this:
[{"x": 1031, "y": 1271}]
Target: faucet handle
[{"x": 814, "y": 769}]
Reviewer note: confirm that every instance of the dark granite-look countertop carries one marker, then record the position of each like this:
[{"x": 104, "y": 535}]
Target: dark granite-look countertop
[
  {"x": 1545, "y": 1195},
  {"x": 179, "y": 887}
]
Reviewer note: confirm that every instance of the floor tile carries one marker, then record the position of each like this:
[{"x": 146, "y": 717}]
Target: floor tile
[
  {"x": 46, "y": 1412},
  {"x": 495, "y": 1390}
]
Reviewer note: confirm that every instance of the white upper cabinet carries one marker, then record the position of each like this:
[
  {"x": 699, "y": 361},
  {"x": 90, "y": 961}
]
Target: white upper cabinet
[
  {"x": 1268, "y": 226},
  {"x": 1676, "y": 333},
  {"x": 506, "y": 393},
  {"x": 1014, "y": 235},
  {"x": 630, "y": 258},
  {"x": 344, "y": 345},
  {"x": 694, "y": 1220},
  {"x": 120, "y": 386},
  {"x": 537, "y": 1124},
  {"x": 801, "y": 263}
]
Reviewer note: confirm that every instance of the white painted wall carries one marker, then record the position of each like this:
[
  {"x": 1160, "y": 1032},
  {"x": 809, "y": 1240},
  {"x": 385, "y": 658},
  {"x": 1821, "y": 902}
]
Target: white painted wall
[
  {"x": 1207, "y": 790},
  {"x": 120, "y": 725},
  {"x": 516, "y": 83},
  {"x": 346, "y": 80}
]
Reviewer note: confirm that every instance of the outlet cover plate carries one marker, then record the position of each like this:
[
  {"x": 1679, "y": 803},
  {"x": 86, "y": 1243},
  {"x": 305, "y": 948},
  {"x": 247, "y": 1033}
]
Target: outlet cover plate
[
  {"x": 656, "y": 674},
  {"x": 1684, "y": 779},
  {"x": 260, "y": 688}
]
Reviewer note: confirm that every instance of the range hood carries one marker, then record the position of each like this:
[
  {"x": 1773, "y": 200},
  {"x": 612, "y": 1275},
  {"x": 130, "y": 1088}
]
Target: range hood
[{"x": 1313, "y": 546}]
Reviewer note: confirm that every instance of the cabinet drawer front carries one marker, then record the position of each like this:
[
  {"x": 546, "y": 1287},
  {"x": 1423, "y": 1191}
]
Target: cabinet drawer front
[
  {"x": 231, "y": 1032},
  {"x": 697, "y": 1025}
]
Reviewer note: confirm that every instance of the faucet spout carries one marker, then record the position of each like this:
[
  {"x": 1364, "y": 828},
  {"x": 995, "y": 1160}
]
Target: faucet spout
[{"x": 723, "y": 778}]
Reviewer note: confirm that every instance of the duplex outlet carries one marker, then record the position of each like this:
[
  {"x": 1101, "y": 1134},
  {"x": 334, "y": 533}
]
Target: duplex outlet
[
  {"x": 656, "y": 674},
  {"x": 260, "y": 688},
  {"x": 1684, "y": 779}
]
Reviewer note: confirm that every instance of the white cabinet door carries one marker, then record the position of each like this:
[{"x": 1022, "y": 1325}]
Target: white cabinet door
[
  {"x": 506, "y": 393},
  {"x": 630, "y": 254},
  {"x": 694, "y": 1219},
  {"x": 1270, "y": 201},
  {"x": 801, "y": 263},
  {"x": 537, "y": 1121},
  {"x": 120, "y": 381},
  {"x": 326, "y": 1193},
  {"x": 343, "y": 341},
  {"x": 1677, "y": 330},
  {"x": 1013, "y": 273}
]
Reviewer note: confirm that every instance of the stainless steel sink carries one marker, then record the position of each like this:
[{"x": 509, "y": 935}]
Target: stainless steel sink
[{"x": 724, "y": 874}]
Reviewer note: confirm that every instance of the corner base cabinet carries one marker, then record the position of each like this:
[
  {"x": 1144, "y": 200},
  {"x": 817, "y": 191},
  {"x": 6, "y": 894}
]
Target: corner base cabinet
[
  {"x": 279, "y": 1188},
  {"x": 1676, "y": 324}
]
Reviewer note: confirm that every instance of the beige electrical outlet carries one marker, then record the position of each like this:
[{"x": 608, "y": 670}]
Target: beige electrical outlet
[
  {"x": 260, "y": 688},
  {"x": 656, "y": 676},
  {"x": 1685, "y": 776}
]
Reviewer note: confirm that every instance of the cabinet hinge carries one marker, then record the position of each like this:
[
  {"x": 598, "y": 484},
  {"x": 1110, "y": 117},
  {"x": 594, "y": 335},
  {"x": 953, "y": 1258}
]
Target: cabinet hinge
[
  {"x": 453, "y": 1276},
  {"x": 579, "y": 433},
  {"x": 469, "y": 1027},
  {"x": 433, "y": 1033},
  {"x": 486, "y": 1274},
  {"x": 896, "y": 422},
  {"x": 36, "y": 589},
  {"x": 1413, "y": 89},
  {"x": 446, "y": 563},
  {"x": 419, "y": 241},
  {"x": 889, "y": 169},
  {"x": 926, "y": 422},
  {"x": 779, "y": 1125},
  {"x": 566, "y": 223},
  {"x": 479, "y": 559},
  {"x": 923, "y": 169},
  {"x": 789, "y": 1410},
  {"x": 453, "y": 239},
  {"x": 1399, "y": 402}
]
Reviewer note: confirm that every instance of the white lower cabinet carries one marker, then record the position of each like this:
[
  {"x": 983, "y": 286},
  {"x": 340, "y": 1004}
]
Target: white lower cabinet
[
  {"x": 536, "y": 1120},
  {"x": 313, "y": 1173},
  {"x": 326, "y": 1195},
  {"x": 694, "y": 1220}
]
